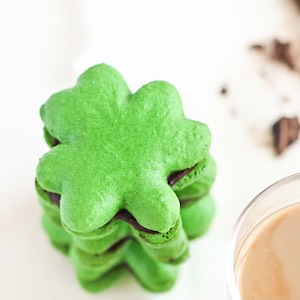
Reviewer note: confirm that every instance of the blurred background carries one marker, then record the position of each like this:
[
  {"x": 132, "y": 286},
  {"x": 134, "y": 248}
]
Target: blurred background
[{"x": 204, "y": 48}]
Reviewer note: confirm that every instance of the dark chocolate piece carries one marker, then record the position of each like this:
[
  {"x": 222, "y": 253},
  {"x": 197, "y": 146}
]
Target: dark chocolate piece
[
  {"x": 55, "y": 198},
  {"x": 126, "y": 216},
  {"x": 285, "y": 132},
  {"x": 176, "y": 176},
  {"x": 224, "y": 90},
  {"x": 285, "y": 99},
  {"x": 282, "y": 52},
  {"x": 297, "y": 2},
  {"x": 258, "y": 47},
  {"x": 279, "y": 51}
]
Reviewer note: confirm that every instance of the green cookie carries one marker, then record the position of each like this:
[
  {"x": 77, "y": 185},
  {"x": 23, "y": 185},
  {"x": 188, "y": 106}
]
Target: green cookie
[
  {"x": 197, "y": 216},
  {"x": 120, "y": 168},
  {"x": 117, "y": 148}
]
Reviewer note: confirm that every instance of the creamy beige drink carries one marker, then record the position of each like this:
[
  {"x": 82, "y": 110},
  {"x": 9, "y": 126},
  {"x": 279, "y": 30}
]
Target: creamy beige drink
[{"x": 269, "y": 267}]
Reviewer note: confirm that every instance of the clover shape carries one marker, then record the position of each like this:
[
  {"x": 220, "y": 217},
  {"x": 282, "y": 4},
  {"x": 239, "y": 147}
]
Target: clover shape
[{"x": 116, "y": 150}]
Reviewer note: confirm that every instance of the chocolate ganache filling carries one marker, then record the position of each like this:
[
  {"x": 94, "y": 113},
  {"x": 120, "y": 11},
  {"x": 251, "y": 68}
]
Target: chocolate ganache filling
[
  {"x": 118, "y": 244},
  {"x": 55, "y": 198},
  {"x": 176, "y": 176},
  {"x": 124, "y": 214}
]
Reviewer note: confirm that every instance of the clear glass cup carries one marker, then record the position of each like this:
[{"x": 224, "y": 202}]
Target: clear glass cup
[{"x": 281, "y": 194}]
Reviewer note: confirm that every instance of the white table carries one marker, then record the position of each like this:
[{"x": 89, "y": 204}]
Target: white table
[{"x": 196, "y": 45}]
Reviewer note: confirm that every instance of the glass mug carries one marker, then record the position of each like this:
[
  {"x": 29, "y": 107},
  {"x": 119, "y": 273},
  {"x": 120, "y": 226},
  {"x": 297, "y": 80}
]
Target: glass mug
[{"x": 283, "y": 193}]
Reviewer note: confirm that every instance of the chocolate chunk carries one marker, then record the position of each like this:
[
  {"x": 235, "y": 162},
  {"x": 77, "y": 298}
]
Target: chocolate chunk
[
  {"x": 176, "y": 176},
  {"x": 126, "y": 216},
  {"x": 258, "y": 47},
  {"x": 224, "y": 90},
  {"x": 285, "y": 99},
  {"x": 282, "y": 52},
  {"x": 285, "y": 132},
  {"x": 55, "y": 198},
  {"x": 297, "y": 2},
  {"x": 279, "y": 51}
]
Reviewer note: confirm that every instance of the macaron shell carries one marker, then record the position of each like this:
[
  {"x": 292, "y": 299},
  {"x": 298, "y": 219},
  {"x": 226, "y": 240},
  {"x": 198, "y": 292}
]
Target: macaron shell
[
  {"x": 153, "y": 275},
  {"x": 154, "y": 206},
  {"x": 99, "y": 89},
  {"x": 174, "y": 250},
  {"x": 112, "y": 142},
  {"x": 90, "y": 266},
  {"x": 197, "y": 217},
  {"x": 98, "y": 246},
  {"x": 104, "y": 281}
]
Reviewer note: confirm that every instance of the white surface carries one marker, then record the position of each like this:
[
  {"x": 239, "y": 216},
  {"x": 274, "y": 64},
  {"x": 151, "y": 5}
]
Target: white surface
[{"x": 197, "y": 46}]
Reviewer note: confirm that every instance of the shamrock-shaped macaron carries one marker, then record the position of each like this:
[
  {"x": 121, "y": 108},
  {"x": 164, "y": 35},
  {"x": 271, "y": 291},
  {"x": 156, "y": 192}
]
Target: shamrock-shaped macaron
[
  {"x": 126, "y": 181},
  {"x": 117, "y": 151}
]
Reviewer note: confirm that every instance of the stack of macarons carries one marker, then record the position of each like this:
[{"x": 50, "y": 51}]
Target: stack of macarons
[{"x": 126, "y": 182}]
